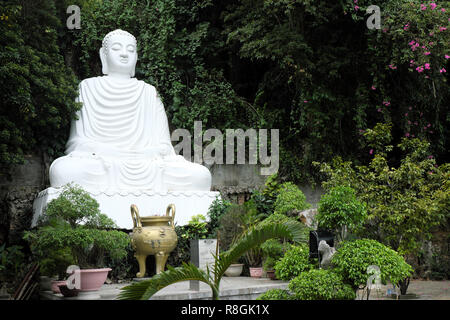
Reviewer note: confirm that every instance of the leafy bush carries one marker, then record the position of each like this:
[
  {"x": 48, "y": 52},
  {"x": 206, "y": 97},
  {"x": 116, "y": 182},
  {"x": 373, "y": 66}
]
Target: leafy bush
[
  {"x": 275, "y": 294},
  {"x": 216, "y": 210},
  {"x": 12, "y": 259},
  {"x": 273, "y": 250},
  {"x": 294, "y": 262},
  {"x": 182, "y": 252},
  {"x": 320, "y": 285},
  {"x": 353, "y": 257},
  {"x": 339, "y": 209},
  {"x": 290, "y": 199},
  {"x": 264, "y": 205},
  {"x": 281, "y": 218},
  {"x": 62, "y": 228},
  {"x": 197, "y": 228},
  {"x": 230, "y": 225}
]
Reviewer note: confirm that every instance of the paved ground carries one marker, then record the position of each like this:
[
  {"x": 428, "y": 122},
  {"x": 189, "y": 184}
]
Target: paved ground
[
  {"x": 419, "y": 290},
  {"x": 249, "y": 288}
]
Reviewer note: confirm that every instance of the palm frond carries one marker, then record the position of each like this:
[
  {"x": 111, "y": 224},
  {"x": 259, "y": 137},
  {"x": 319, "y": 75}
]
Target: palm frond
[
  {"x": 254, "y": 237},
  {"x": 143, "y": 290}
]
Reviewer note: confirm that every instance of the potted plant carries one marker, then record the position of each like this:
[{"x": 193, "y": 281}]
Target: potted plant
[
  {"x": 272, "y": 250},
  {"x": 74, "y": 221}
]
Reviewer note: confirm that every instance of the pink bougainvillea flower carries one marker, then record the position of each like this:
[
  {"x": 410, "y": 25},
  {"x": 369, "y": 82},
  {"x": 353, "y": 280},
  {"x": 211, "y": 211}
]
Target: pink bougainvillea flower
[
  {"x": 442, "y": 70},
  {"x": 447, "y": 56},
  {"x": 305, "y": 101},
  {"x": 371, "y": 151},
  {"x": 427, "y": 66},
  {"x": 406, "y": 114},
  {"x": 373, "y": 88},
  {"x": 409, "y": 122},
  {"x": 356, "y": 8},
  {"x": 443, "y": 10},
  {"x": 419, "y": 69},
  {"x": 433, "y": 5},
  {"x": 411, "y": 43},
  {"x": 379, "y": 109},
  {"x": 391, "y": 66},
  {"x": 427, "y": 53},
  {"x": 423, "y": 7},
  {"x": 387, "y": 103},
  {"x": 428, "y": 125},
  {"x": 431, "y": 34},
  {"x": 407, "y": 134},
  {"x": 430, "y": 157},
  {"x": 442, "y": 28},
  {"x": 355, "y": 1},
  {"x": 406, "y": 26}
]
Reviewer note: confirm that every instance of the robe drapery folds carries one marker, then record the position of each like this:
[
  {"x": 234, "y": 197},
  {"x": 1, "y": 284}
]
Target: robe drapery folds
[{"x": 122, "y": 124}]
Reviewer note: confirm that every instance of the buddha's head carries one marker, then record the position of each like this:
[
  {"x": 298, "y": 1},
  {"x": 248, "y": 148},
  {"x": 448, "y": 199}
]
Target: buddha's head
[{"x": 118, "y": 54}]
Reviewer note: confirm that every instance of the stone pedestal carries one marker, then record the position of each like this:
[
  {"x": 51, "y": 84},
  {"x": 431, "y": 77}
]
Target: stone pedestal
[
  {"x": 202, "y": 256},
  {"x": 116, "y": 203}
]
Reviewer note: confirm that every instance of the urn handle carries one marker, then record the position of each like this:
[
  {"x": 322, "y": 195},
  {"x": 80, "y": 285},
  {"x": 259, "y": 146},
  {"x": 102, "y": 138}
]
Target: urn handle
[
  {"x": 135, "y": 216},
  {"x": 171, "y": 207}
]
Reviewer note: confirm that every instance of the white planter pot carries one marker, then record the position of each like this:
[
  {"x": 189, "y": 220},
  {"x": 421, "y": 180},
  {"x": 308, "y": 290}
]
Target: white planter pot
[{"x": 234, "y": 270}]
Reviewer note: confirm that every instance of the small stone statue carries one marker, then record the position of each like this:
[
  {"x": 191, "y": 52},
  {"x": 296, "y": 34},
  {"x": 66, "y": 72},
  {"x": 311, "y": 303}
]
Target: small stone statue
[{"x": 327, "y": 253}]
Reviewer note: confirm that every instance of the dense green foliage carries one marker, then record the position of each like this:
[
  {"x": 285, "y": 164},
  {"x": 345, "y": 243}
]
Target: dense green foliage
[
  {"x": 37, "y": 89},
  {"x": 253, "y": 237},
  {"x": 290, "y": 200},
  {"x": 275, "y": 294},
  {"x": 354, "y": 257},
  {"x": 320, "y": 285},
  {"x": 74, "y": 221},
  {"x": 404, "y": 203},
  {"x": 312, "y": 69},
  {"x": 340, "y": 211},
  {"x": 273, "y": 250},
  {"x": 294, "y": 262}
]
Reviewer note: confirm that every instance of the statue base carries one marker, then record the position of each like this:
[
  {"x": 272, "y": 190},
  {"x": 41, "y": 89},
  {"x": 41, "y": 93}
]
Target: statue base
[{"x": 116, "y": 204}]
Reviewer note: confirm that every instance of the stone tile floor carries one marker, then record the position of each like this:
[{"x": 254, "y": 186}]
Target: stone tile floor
[{"x": 418, "y": 290}]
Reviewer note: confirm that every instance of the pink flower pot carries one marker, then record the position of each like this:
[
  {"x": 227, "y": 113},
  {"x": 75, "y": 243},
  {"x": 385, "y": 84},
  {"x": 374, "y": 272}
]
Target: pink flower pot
[
  {"x": 93, "y": 279},
  {"x": 256, "y": 272},
  {"x": 55, "y": 285}
]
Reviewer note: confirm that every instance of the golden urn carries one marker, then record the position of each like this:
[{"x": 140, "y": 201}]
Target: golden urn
[{"x": 153, "y": 235}]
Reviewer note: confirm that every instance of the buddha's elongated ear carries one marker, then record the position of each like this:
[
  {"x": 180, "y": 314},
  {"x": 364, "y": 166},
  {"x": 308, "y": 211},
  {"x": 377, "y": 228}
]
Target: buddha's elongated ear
[
  {"x": 133, "y": 68},
  {"x": 102, "y": 54}
]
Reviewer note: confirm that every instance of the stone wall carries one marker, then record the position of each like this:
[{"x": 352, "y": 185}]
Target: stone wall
[{"x": 16, "y": 198}]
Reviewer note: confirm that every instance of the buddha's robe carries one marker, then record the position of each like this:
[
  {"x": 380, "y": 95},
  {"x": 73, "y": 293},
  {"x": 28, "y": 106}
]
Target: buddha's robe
[{"x": 121, "y": 140}]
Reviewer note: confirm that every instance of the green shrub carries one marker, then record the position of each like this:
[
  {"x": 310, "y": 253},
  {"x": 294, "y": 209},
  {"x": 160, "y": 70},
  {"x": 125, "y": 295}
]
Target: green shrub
[
  {"x": 273, "y": 250},
  {"x": 340, "y": 210},
  {"x": 73, "y": 220},
  {"x": 320, "y": 285},
  {"x": 230, "y": 225},
  {"x": 216, "y": 210},
  {"x": 275, "y": 294},
  {"x": 197, "y": 228},
  {"x": 353, "y": 257},
  {"x": 294, "y": 262},
  {"x": 290, "y": 199},
  {"x": 264, "y": 204}
]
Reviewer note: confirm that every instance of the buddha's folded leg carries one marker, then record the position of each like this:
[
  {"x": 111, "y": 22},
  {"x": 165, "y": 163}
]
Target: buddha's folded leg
[
  {"x": 83, "y": 171},
  {"x": 186, "y": 176}
]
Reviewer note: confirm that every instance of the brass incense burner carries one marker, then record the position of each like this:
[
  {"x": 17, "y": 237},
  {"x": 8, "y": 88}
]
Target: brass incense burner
[{"x": 153, "y": 235}]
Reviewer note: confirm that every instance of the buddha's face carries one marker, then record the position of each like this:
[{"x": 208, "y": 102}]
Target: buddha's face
[{"x": 120, "y": 55}]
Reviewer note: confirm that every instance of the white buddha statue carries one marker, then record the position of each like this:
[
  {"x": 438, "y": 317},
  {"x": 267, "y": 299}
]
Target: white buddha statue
[{"x": 121, "y": 140}]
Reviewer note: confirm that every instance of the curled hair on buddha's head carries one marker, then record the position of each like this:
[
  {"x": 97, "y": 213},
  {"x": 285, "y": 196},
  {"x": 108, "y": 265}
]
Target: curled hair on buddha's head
[{"x": 105, "y": 45}]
